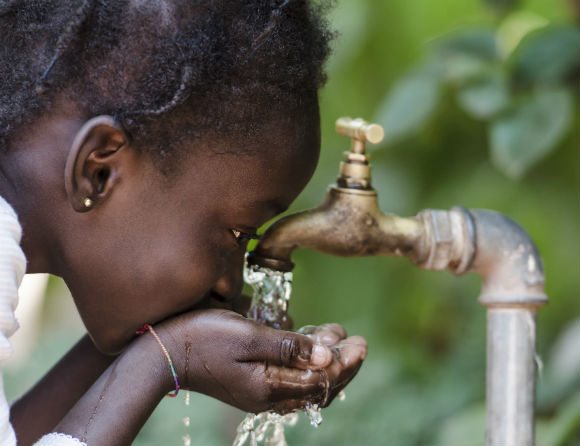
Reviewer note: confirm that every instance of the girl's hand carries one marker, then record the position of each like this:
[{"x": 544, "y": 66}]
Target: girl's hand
[
  {"x": 257, "y": 368},
  {"x": 240, "y": 305}
]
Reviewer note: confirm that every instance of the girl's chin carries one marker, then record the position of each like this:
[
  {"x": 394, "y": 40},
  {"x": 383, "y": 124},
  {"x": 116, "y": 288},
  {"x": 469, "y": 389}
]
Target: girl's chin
[{"x": 112, "y": 344}]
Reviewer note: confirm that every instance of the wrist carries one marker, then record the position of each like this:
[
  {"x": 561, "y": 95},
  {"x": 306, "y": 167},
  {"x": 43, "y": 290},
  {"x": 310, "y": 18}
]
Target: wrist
[
  {"x": 177, "y": 341},
  {"x": 146, "y": 354}
]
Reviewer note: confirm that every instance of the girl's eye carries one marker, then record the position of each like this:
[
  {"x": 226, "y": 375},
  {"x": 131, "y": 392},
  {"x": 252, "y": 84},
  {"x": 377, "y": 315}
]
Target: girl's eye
[{"x": 244, "y": 237}]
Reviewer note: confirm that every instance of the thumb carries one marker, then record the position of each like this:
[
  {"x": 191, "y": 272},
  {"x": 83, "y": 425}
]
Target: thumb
[{"x": 289, "y": 349}]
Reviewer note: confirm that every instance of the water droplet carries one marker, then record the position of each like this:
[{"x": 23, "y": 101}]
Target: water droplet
[
  {"x": 186, "y": 421},
  {"x": 313, "y": 413}
]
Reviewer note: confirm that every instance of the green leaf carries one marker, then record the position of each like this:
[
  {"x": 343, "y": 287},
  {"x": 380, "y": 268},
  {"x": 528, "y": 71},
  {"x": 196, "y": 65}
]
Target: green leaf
[
  {"x": 525, "y": 135},
  {"x": 409, "y": 105},
  {"x": 485, "y": 97},
  {"x": 549, "y": 56},
  {"x": 502, "y": 6},
  {"x": 460, "y": 69},
  {"x": 477, "y": 42},
  {"x": 466, "y": 55},
  {"x": 515, "y": 27}
]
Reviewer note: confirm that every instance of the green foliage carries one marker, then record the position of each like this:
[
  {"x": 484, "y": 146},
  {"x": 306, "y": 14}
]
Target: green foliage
[
  {"x": 548, "y": 56},
  {"x": 410, "y": 104},
  {"x": 524, "y": 135},
  {"x": 500, "y": 77},
  {"x": 485, "y": 96}
]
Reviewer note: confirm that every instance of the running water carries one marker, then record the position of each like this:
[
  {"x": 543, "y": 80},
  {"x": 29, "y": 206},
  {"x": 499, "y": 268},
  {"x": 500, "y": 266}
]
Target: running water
[{"x": 272, "y": 290}]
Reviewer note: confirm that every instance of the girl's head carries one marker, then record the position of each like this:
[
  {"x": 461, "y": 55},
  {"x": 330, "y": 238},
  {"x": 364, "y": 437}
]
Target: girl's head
[{"x": 136, "y": 135}]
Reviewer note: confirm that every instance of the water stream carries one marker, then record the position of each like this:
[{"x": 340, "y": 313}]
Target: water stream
[
  {"x": 186, "y": 420},
  {"x": 271, "y": 293}
]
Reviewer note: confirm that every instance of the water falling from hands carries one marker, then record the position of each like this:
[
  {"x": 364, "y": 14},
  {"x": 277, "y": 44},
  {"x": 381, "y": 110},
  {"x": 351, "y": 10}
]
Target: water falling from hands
[
  {"x": 186, "y": 421},
  {"x": 272, "y": 291}
]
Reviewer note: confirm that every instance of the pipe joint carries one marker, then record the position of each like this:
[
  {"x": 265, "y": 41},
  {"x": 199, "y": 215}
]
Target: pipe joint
[
  {"x": 489, "y": 244},
  {"x": 448, "y": 240},
  {"x": 508, "y": 262}
]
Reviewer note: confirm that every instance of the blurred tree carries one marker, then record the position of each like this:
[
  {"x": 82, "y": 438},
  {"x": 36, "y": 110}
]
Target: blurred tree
[{"x": 520, "y": 77}]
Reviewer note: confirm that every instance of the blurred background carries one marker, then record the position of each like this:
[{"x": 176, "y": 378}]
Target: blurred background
[{"x": 479, "y": 102}]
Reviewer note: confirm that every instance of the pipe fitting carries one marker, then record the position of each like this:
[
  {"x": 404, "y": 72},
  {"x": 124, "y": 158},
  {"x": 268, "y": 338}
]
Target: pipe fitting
[
  {"x": 489, "y": 244},
  {"x": 508, "y": 262},
  {"x": 449, "y": 239}
]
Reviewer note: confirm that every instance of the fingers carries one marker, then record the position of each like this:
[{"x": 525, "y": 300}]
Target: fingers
[
  {"x": 291, "y": 389},
  {"x": 349, "y": 355},
  {"x": 292, "y": 384},
  {"x": 309, "y": 348},
  {"x": 327, "y": 334},
  {"x": 352, "y": 349},
  {"x": 286, "y": 348}
]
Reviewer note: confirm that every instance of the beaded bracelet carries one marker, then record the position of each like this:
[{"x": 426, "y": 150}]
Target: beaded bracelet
[{"x": 145, "y": 329}]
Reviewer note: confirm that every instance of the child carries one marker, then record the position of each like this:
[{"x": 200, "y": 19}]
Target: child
[{"x": 142, "y": 143}]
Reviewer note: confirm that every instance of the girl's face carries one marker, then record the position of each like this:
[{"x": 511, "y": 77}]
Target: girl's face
[{"x": 155, "y": 248}]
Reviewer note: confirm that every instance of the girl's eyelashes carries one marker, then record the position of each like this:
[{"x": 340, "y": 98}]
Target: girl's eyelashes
[{"x": 244, "y": 237}]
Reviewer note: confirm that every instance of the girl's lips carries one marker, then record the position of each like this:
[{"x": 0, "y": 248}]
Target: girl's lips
[
  {"x": 212, "y": 300},
  {"x": 213, "y": 295}
]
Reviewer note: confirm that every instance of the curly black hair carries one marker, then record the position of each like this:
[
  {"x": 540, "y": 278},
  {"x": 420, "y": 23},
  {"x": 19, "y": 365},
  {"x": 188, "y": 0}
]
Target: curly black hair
[{"x": 208, "y": 65}]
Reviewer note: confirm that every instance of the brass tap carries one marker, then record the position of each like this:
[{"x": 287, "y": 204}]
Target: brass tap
[
  {"x": 355, "y": 169},
  {"x": 349, "y": 222}
]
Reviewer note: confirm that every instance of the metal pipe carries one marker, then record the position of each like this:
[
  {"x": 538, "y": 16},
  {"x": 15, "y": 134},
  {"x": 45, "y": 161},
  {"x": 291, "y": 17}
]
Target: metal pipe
[
  {"x": 513, "y": 289},
  {"x": 350, "y": 223},
  {"x": 506, "y": 259},
  {"x": 511, "y": 376}
]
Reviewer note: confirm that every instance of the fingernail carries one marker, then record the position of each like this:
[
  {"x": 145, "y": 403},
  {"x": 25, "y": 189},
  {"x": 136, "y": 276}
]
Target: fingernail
[{"x": 320, "y": 355}]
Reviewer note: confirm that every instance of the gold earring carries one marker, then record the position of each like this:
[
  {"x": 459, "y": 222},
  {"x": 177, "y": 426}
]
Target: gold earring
[{"x": 88, "y": 203}]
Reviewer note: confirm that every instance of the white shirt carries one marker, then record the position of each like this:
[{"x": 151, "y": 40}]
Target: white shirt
[{"x": 12, "y": 269}]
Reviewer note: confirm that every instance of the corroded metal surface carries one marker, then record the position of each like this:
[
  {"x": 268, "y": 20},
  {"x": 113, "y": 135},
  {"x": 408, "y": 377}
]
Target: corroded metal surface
[{"x": 349, "y": 223}]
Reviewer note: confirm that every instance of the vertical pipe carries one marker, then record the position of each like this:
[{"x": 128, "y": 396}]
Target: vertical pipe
[{"x": 510, "y": 376}]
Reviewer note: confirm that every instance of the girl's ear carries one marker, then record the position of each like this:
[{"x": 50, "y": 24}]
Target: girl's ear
[{"x": 91, "y": 168}]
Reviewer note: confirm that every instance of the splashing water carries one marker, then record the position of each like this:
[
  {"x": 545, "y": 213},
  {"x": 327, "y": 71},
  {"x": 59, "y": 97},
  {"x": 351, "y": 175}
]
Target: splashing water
[{"x": 272, "y": 291}]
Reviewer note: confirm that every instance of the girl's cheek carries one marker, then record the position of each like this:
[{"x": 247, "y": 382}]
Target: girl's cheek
[
  {"x": 186, "y": 275},
  {"x": 196, "y": 274}
]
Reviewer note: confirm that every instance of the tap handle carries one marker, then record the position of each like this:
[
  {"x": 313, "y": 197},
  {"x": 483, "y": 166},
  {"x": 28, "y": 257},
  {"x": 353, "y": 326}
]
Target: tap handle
[
  {"x": 360, "y": 130},
  {"x": 355, "y": 170}
]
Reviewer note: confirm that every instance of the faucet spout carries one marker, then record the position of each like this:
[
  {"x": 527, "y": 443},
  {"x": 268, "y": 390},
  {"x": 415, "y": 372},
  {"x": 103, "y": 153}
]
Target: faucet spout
[{"x": 349, "y": 223}]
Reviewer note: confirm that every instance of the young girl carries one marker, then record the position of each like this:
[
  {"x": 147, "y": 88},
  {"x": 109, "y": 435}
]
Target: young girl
[{"x": 142, "y": 143}]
